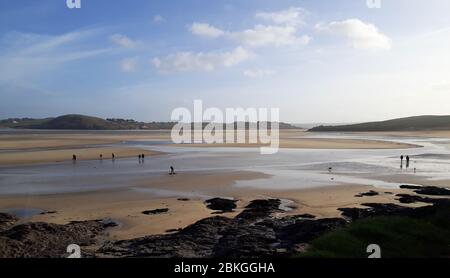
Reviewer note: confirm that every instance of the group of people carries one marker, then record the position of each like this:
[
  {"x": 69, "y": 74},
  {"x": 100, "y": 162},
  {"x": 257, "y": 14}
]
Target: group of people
[
  {"x": 407, "y": 158},
  {"x": 141, "y": 158},
  {"x": 113, "y": 156}
]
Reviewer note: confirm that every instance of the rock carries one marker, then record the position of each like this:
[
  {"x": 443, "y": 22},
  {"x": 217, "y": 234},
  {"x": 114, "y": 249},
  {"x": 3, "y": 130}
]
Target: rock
[
  {"x": 306, "y": 215},
  {"x": 428, "y": 190},
  {"x": 155, "y": 211},
  {"x": 7, "y": 221},
  {"x": 369, "y": 194},
  {"x": 392, "y": 209},
  {"x": 48, "y": 212},
  {"x": 195, "y": 241},
  {"x": 254, "y": 233},
  {"x": 260, "y": 209},
  {"x": 410, "y": 187},
  {"x": 373, "y": 210},
  {"x": 434, "y": 191},
  {"x": 43, "y": 240},
  {"x": 220, "y": 204},
  {"x": 409, "y": 199},
  {"x": 306, "y": 230}
]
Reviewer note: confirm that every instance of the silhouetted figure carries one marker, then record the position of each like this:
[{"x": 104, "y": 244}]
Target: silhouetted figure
[
  {"x": 74, "y": 158},
  {"x": 172, "y": 171},
  {"x": 407, "y": 161},
  {"x": 143, "y": 156},
  {"x": 401, "y": 159},
  {"x": 101, "y": 156},
  {"x": 140, "y": 158}
]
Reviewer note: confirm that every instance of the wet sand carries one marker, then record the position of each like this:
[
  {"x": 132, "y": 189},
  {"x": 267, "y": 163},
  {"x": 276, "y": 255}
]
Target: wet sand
[
  {"x": 54, "y": 147},
  {"x": 64, "y": 155},
  {"x": 126, "y": 205}
]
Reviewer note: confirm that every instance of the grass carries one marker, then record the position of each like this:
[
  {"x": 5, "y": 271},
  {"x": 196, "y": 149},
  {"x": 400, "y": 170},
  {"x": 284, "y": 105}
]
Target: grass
[{"x": 398, "y": 237}]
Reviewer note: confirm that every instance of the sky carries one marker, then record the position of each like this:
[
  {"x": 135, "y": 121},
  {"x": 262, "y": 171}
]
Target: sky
[{"x": 315, "y": 60}]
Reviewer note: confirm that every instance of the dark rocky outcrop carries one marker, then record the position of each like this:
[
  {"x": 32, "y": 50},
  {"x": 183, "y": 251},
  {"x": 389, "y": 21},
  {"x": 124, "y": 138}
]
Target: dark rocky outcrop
[
  {"x": 253, "y": 233},
  {"x": 409, "y": 199},
  {"x": 195, "y": 241},
  {"x": 260, "y": 209},
  {"x": 433, "y": 191},
  {"x": 368, "y": 194},
  {"x": 428, "y": 190},
  {"x": 7, "y": 221},
  {"x": 372, "y": 210},
  {"x": 155, "y": 211},
  {"x": 48, "y": 212},
  {"x": 391, "y": 209},
  {"x": 413, "y": 187},
  {"x": 306, "y": 215},
  {"x": 220, "y": 204},
  {"x": 44, "y": 240}
]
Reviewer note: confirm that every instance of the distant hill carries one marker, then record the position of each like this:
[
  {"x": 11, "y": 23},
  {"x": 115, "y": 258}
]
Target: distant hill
[
  {"x": 402, "y": 124},
  {"x": 82, "y": 122}
]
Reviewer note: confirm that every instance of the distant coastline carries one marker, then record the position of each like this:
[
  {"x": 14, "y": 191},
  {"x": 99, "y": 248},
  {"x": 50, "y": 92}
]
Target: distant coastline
[
  {"x": 417, "y": 123},
  {"x": 83, "y": 122}
]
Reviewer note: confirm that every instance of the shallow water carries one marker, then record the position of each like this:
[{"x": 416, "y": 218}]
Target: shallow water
[
  {"x": 290, "y": 168},
  {"x": 22, "y": 212}
]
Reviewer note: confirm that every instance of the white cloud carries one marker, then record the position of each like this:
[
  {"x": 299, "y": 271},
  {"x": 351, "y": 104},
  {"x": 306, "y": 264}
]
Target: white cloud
[
  {"x": 188, "y": 61},
  {"x": 158, "y": 19},
  {"x": 360, "y": 35},
  {"x": 293, "y": 16},
  {"x": 206, "y": 30},
  {"x": 128, "y": 65},
  {"x": 258, "y": 36},
  {"x": 258, "y": 73},
  {"x": 123, "y": 41},
  {"x": 261, "y": 36},
  {"x": 26, "y": 56},
  {"x": 282, "y": 32}
]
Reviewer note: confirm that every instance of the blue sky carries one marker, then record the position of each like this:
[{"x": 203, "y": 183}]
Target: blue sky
[{"x": 318, "y": 61}]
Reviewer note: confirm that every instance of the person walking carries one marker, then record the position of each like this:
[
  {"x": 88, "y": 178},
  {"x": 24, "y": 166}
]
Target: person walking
[
  {"x": 140, "y": 157},
  {"x": 407, "y": 161},
  {"x": 172, "y": 171}
]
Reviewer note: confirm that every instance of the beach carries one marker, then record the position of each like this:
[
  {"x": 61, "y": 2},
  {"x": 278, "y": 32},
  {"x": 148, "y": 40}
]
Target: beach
[{"x": 123, "y": 190}]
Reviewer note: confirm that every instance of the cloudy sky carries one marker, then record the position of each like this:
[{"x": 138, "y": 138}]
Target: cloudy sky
[{"x": 318, "y": 61}]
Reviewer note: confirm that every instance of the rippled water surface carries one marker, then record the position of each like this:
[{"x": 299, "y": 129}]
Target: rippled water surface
[{"x": 289, "y": 168}]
